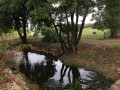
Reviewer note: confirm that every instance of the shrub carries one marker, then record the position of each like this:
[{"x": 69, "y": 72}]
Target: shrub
[{"x": 49, "y": 35}]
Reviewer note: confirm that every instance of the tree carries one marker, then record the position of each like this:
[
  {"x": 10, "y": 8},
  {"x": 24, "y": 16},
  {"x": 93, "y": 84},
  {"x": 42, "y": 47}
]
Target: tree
[
  {"x": 113, "y": 12},
  {"x": 101, "y": 25},
  {"x": 5, "y": 21},
  {"x": 59, "y": 12},
  {"x": 109, "y": 12},
  {"x": 16, "y": 14},
  {"x": 73, "y": 9}
]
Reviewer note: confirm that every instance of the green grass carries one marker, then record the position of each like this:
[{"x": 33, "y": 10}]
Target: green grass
[
  {"x": 46, "y": 44},
  {"x": 15, "y": 34},
  {"x": 88, "y": 34}
]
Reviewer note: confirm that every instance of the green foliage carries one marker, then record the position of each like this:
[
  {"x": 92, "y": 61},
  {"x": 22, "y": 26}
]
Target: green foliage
[
  {"x": 112, "y": 11},
  {"x": 108, "y": 15},
  {"x": 76, "y": 87},
  {"x": 89, "y": 54},
  {"x": 14, "y": 13},
  {"x": 56, "y": 13},
  {"x": 100, "y": 25},
  {"x": 39, "y": 12},
  {"x": 65, "y": 29},
  {"x": 5, "y": 18},
  {"x": 49, "y": 35},
  {"x": 5, "y": 45}
]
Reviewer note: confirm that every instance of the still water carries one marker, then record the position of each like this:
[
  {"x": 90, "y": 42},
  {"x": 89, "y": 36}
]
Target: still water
[{"x": 48, "y": 71}]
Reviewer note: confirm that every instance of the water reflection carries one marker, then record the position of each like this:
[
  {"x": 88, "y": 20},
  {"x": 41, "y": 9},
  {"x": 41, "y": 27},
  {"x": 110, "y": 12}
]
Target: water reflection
[{"x": 43, "y": 68}]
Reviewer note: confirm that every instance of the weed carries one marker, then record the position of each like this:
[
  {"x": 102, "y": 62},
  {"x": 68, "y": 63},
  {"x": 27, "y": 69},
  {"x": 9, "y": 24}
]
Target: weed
[
  {"x": 105, "y": 55},
  {"x": 116, "y": 47},
  {"x": 82, "y": 56},
  {"x": 104, "y": 62},
  {"x": 89, "y": 54},
  {"x": 101, "y": 72}
]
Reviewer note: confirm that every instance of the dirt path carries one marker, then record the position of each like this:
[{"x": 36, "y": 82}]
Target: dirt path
[{"x": 99, "y": 43}]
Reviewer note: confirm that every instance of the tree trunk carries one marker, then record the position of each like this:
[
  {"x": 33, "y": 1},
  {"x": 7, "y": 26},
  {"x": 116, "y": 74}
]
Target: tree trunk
[
  {"x": 76, "y": 30},
  {"x": 113, "y": 33},
  {"x": 63, "y": 44},
  {"x": 81, "y": 29},
  {"x": 68, "y": 41},
  {"x": 104, "y": 34},
  {"x": 24, "y": 39},
  {"x": 73, "y": 34},
  {"x": 68, "y": 34}
]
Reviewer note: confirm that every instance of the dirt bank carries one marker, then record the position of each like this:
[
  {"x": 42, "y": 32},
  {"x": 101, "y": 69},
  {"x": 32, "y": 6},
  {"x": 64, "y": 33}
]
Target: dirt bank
[
  {"x": 104, "y": 60},
  {"x": 15, "y": 81}
]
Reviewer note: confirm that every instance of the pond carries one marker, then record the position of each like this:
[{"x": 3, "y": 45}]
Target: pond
[{"x": 48, "y": 71}]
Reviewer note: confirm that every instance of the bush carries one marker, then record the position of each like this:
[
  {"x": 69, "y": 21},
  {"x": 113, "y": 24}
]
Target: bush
[{"x": 49, "y": 35}]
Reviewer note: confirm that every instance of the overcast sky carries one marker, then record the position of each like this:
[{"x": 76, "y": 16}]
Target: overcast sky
[{"x": 88, "y": 19}]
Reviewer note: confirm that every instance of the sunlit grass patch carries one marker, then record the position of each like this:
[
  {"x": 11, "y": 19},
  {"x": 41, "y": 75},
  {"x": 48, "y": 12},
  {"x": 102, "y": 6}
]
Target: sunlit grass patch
[{"x": 89, "y": 34}]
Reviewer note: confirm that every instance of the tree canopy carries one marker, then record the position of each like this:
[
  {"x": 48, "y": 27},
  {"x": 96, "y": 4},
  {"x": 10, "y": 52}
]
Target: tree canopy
[
  {"x": 60, "y": 13},
  {"x": 14, "y": 13},
  {"x": 109, "y": 15}
]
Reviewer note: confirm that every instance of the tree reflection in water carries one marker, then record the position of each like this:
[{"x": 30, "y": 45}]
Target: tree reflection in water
[
  {"x": 75, "y": 74},
  {"x": 40, "y": 72},
  {"x": 73, "y": 77},
  {"x": 44, "y": 68}
]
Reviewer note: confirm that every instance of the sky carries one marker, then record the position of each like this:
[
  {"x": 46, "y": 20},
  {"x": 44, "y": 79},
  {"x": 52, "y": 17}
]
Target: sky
[{"x": 88, "y": 19}]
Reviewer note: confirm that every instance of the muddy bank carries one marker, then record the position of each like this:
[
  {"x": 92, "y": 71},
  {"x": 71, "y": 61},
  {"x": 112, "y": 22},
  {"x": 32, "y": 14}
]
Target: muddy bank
[{"x": 52, "y": 50}]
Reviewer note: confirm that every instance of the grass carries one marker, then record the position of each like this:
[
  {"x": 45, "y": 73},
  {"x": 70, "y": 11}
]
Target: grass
[
  {"x": 88, "y": 34},
  {"x": 15, "y": 34},
  {"x": 117, "y": 47},
  {"x": 106, "y": 65},
  {"x": 45, "y": 44}
]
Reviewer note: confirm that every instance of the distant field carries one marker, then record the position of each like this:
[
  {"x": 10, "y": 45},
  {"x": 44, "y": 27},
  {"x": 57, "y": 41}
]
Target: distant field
[
  {"x": 15, "y": 34},
  {"x": 88, "y": 34}
]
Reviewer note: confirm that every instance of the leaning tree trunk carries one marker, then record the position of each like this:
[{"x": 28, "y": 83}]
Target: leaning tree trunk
[
  {"x": 24, "y": 36},
  {"x": 63, "y": 44}
]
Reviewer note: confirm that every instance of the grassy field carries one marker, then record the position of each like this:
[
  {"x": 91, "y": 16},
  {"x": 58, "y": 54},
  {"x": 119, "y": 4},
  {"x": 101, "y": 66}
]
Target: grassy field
[
  {"x": 15, "y": 34},
  {"x": 88, "y": 34}
]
